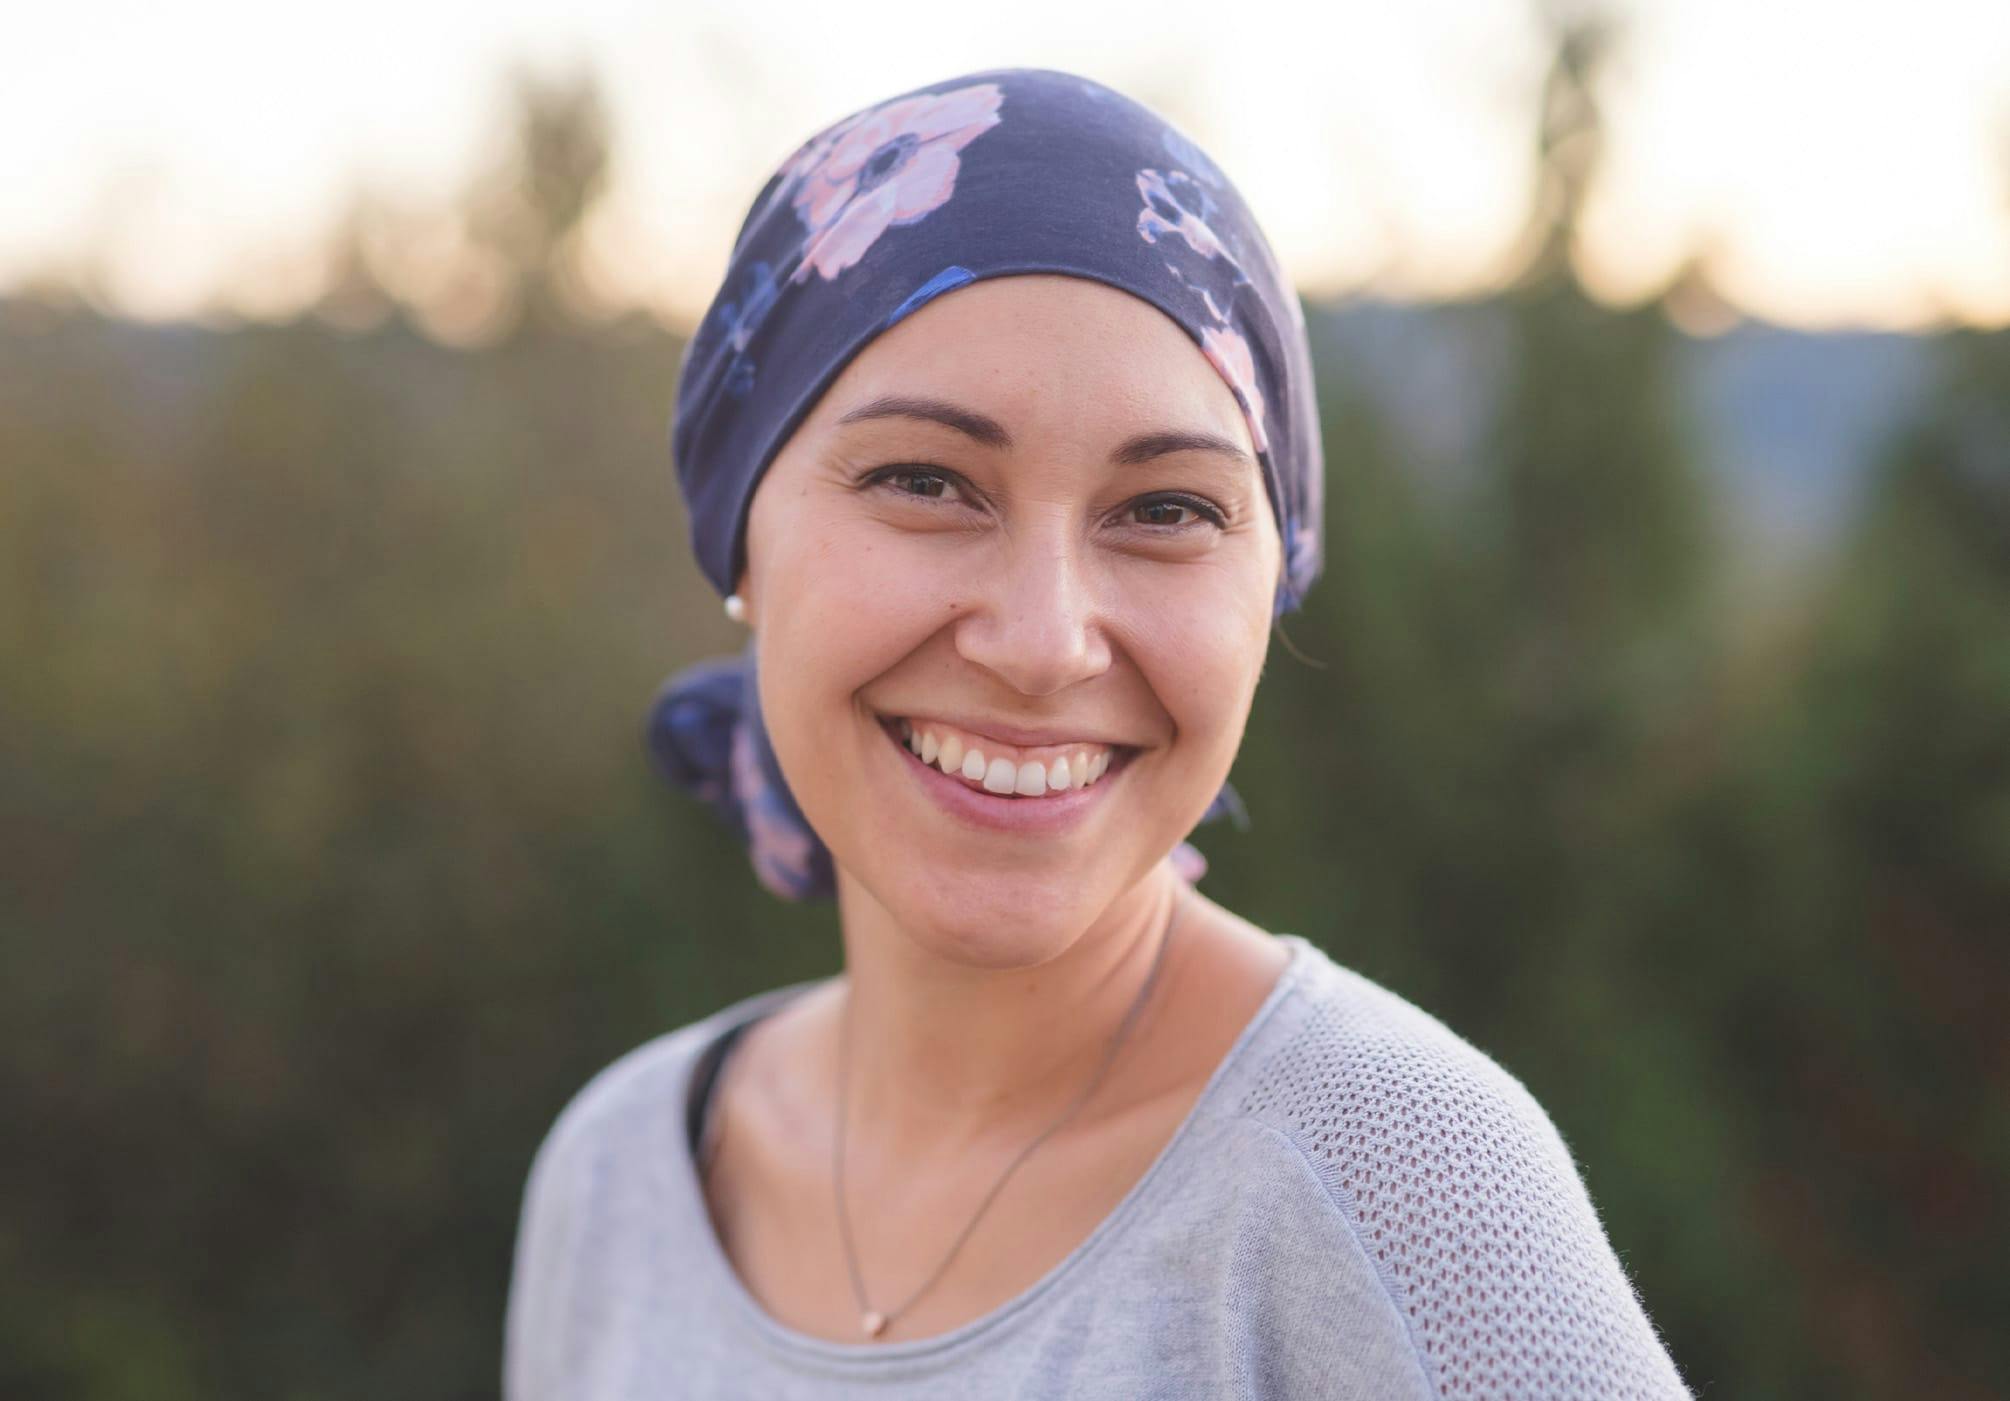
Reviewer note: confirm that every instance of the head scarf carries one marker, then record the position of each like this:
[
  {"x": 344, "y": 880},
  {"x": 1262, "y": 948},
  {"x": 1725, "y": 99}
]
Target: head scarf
[{"x": 1006, "y": 171}]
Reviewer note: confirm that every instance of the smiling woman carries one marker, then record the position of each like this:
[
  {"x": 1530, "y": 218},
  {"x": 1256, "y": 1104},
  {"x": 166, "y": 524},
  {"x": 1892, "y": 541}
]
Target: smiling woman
[{"x": 1000, "y": 439}]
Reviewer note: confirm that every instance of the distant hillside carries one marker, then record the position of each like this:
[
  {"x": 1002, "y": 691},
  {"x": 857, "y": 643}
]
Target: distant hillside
[{"x": 1788, "y": 421}]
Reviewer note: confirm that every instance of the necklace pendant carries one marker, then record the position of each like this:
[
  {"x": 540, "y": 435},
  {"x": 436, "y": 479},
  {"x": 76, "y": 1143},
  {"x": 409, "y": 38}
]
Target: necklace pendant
[{"x": 873, "y": 1322}]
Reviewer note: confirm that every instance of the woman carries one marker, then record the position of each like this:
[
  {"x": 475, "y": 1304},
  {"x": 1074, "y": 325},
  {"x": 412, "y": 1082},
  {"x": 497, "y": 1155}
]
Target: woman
[{"x": 1000, "y": 438}]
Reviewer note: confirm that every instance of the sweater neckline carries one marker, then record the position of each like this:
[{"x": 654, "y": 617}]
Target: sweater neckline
[{"x": 851, "y": 1358}]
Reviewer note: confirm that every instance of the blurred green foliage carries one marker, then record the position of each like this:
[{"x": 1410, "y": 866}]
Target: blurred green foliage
[{"x": 333, "y": 865}]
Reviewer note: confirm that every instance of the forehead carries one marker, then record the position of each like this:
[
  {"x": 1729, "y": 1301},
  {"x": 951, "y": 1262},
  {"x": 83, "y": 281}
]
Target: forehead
[{"x": 1041, "y": 351}]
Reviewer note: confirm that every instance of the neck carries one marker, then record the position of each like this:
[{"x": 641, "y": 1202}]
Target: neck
[{"x": 945, "y": 1052}]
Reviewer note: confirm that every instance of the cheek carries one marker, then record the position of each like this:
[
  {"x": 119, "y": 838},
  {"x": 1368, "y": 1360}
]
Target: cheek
[
  {"x": 1202, "y": 638},
  {"x": 853, "y": 606}
]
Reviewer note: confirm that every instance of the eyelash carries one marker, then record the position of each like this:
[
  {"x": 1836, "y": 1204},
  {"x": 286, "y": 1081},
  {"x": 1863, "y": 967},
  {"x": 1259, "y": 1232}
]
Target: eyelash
[{"x": 1205, "y": 509}]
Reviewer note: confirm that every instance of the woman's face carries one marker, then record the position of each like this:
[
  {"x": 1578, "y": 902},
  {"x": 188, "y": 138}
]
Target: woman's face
[{"x": 1027, "y": 520}]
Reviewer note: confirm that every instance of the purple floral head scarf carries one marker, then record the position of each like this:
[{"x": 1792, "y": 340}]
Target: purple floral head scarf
[{"x": 1011, "y": 170}]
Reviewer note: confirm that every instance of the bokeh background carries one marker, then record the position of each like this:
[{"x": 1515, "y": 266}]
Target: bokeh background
[{"x": 1651, "y": 725}]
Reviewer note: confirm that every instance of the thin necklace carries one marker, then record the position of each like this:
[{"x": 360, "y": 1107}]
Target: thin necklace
[{"x": 870, "y": 1320}]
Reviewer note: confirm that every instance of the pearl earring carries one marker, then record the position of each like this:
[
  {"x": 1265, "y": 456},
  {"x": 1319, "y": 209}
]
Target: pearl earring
[{"x": 736, "y": 608}]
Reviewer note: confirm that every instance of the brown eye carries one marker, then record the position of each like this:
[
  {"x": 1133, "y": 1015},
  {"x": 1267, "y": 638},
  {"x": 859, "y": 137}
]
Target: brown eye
[
  {"x": 1162, "y": 513},
  {"x": 932, "y": 483},
  {"x": 910, "y": 483}
]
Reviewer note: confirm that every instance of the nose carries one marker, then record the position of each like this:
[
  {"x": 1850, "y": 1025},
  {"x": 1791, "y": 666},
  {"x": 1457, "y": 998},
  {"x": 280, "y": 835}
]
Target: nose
[{"x": 1038, "y": 619}]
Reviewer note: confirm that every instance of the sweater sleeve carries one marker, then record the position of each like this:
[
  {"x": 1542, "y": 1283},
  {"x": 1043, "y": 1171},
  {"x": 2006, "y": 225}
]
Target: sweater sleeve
[
  {"x": 570, "y": 1210},
  {"x": 1464, "y": 1195},
  {"x": 548, "y": 1229}
]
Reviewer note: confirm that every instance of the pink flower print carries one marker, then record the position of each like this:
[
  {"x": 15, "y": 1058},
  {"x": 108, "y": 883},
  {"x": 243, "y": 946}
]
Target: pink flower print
[
  {"x": 892, "y": 165},
  {"x": 1230, "y": 354},
  {"x": 1176, "y": 204},
  {"x": 781, "y": 850},
  {"x": 817, "y": 147}
]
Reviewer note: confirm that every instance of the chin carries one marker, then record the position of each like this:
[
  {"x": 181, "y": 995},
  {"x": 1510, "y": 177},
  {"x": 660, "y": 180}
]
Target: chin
[{"x": 993, "y": 922}]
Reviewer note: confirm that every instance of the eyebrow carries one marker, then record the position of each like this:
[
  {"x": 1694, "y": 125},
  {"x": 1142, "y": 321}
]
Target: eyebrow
[{"x": 991, "y": 433}]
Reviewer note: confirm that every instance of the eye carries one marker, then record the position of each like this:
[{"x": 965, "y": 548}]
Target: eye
[
  {"x": 917, "y": 483},
  {"x": 1160, "y": 512}
]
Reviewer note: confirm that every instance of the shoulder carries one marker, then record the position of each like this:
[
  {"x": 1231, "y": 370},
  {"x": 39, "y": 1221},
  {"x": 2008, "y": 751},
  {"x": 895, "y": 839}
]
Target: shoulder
[
  {"x": 569, "y": 1183},
  {"x": 643, "y": 1090},
  {"x": 612, "y": 1137},
  {"x": 1457, "y": 1185},
  {"x": 599, "y": 1170},
  {"x": 1350, "y": 1052}
]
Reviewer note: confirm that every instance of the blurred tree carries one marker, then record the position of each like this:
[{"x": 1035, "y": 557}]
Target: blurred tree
[
  {"x": 1582, "y": 560},
  {"x": 530, "y": 207},
  {"x": 354, "y": 296},
  {"x": 1569, "y": 138},
  {"x": 1869, "y": 1036}
]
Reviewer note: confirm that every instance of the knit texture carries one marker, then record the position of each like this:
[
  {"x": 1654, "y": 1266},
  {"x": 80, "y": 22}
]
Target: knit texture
[
  {"x": 1360, "y": 1205},
  {"x": 1463, "y": 1191}
]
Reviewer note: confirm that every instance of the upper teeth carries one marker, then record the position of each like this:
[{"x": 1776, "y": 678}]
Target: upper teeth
[{"x": 1000, "y": 768}]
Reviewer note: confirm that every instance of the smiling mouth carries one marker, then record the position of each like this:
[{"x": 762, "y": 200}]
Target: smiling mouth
[{"x": 994, "y": 780}]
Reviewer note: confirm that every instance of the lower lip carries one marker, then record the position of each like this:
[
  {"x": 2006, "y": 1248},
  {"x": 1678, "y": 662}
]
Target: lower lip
[{"x": 1034, "y": 817}]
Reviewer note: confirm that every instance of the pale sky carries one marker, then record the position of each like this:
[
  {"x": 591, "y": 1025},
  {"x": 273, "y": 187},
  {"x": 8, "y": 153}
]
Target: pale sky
[{"x": 1847, "y": 161}]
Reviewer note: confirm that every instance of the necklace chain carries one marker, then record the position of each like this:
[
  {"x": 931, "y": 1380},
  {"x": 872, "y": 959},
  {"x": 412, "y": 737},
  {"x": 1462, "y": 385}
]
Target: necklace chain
[{"x": 872, "y": 1322}]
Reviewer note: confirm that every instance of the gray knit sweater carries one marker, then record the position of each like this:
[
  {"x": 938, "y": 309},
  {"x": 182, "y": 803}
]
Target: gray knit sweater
[{"x": 1360, "y": 1205}]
